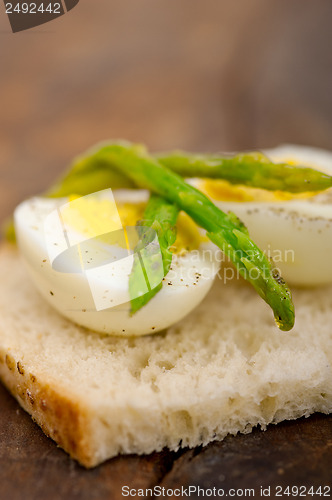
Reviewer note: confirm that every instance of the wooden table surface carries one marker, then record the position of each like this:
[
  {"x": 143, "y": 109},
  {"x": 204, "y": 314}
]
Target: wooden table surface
[{"x": 200, "y": 75}]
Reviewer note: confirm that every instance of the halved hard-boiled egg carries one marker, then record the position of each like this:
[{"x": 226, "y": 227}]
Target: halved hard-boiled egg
[
  {"x": 293, "y": 229},
  {"x": 79, "y": 253}
]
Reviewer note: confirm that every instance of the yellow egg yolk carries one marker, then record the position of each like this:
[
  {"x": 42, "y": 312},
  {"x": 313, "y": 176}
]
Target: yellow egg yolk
[
  {"x": 221, "y": 190},
  {"x": 188, "y": 236},
  {"x": 92, "y": 217}
]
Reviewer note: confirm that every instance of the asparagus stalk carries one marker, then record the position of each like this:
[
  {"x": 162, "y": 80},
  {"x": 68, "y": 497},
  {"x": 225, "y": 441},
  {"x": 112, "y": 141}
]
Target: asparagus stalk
[
  {"x": 93, "y": 171},
  {"x": 159, "y": 215},
  {"x": 224, "y": 231},
  {"x": 87, "y": 174},
  {"x": 250, "y": 169},
  {"x": 130, "y": 166}
]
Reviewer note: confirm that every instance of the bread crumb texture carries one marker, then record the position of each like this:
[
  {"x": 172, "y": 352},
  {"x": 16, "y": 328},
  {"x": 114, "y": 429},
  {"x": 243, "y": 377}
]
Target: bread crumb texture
[{"x": 224, "y": 369}]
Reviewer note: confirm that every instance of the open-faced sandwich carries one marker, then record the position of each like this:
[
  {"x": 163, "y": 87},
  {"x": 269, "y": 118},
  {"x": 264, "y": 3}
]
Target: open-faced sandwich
[{"x": 131, "y": 312}]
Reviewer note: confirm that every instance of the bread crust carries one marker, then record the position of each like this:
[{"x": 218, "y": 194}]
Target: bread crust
[{"x": 59, "y": 414}]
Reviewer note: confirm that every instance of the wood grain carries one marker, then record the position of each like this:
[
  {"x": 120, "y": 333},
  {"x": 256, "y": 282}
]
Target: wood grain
[
  {"x": 196, "y": 75},
  {"x": 292, "y": 453},
  {"x": 33, "y": 467}
]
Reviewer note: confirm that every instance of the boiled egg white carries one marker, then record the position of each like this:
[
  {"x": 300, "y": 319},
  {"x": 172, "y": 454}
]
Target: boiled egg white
[
  {"x": 296, "y": 231},
  {"x": 77, "y": 254}
]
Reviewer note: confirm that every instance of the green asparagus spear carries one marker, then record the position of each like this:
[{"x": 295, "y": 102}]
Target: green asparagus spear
[
  {"x": 159, "y": 215},
  {"x": 133, "y": 163},
  {"x": 249, "y": 169},
  {"x": 93, "y": 171},
  {"x": 87, "y": 174},
  {"x": 148, "y": 173},
  {"x": 7, "y": 228}
]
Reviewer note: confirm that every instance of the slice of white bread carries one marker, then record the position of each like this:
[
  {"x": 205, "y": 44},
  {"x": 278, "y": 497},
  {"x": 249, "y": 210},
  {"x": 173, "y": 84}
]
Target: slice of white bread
[{"x": 224, "y": 369}]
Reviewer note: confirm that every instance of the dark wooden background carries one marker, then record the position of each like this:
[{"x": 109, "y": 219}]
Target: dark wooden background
[{"x": 196, "y": 74}]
